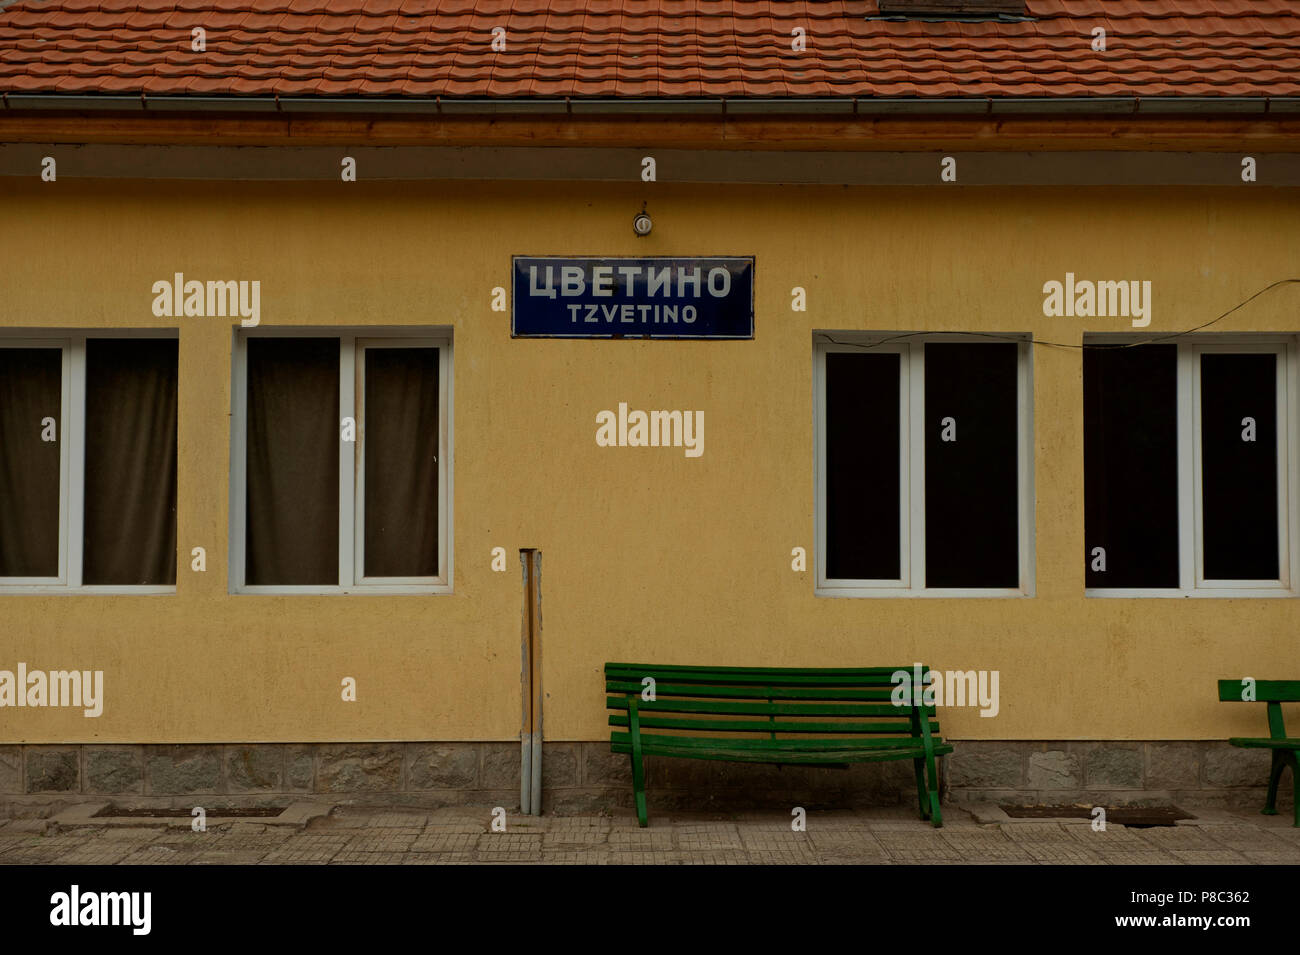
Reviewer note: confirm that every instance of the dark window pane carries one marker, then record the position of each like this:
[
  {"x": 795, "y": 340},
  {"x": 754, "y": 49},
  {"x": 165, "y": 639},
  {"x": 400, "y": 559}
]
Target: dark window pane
[
  {"x": 1130, "y": 465},
  {"x": 972, "y": 536},
  {"x": 862, "y": 422},
  {"x": 293, "y": 461},
  {"x": 130, "y": 503},
  {"x": 401, "y": 452},
  {"x": 31, "y": 390},
  {"x": 1238, "y": 476}
]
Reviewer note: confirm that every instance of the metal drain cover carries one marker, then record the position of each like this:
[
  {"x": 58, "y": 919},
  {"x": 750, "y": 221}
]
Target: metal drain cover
[
  {"x": 225, "y": 813},
  {"x": 1138, "y": 816}
]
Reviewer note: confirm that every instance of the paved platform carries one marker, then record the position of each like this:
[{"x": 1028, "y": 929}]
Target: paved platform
[{"x": 354, "y": 836}]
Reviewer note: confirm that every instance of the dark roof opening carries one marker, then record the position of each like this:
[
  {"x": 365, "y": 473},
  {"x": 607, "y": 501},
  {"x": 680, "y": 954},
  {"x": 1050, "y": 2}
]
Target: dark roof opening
[{"x": 953, "y": 9}]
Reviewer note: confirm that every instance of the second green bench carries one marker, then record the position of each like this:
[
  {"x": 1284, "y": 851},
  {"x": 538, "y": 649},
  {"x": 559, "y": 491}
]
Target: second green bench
[
  {"x": 1283, "y": 747},
  {"x": 820, "y": 717}
]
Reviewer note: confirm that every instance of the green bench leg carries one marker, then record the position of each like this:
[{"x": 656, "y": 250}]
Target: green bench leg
[
  {"x": 1274, "y": 777},
  {"x": 936, "y": 815},
  {"x": 638, "y": 767},
  {"x": 927, "y": 792},
  {"x": 638, "y": 789},
  {"x": 922, "y": 797},
  {"x": 927, "y": 782},
  {"x": 1281, "y": 760}
]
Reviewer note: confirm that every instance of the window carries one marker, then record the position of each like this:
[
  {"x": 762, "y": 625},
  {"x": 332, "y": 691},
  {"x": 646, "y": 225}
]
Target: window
[
  {"x": 923, "y": 466},
  {"x": 953, "y": 9},
  {"x": 341, "y": 450},
  {"x": 1187, "y": 466},
  {"x": 88, "y": 463}
]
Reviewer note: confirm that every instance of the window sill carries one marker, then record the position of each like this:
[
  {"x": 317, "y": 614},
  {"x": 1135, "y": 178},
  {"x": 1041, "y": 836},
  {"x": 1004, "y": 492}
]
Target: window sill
[
  {"x": 121, "y": 590},
  {"x": 939, "y": 593},
  {"x": 364, "y": 591},
  {"x": 1253, "y": 593}
]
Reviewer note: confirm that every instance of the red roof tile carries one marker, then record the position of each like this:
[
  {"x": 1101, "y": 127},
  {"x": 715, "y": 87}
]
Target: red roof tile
[{"x": 646, "y": 48}]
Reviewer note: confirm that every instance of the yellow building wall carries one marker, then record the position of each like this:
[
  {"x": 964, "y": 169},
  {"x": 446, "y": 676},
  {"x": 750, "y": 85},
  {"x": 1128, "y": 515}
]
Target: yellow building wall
[{"x": 647, "y": 555}]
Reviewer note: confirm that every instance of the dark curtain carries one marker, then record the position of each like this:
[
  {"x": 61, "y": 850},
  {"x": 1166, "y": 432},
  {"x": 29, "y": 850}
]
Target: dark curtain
[
  {"x": 1130, "y": 465},
  {"x": 863, "y": 521},
  {"x": 401, "y": 447},
  {"x": 293, "y": 461},
  {"x": 972, "y": 494},
  {"x": 130, "y": 499},
  {"x": 1239, "y": 500},
  {"x": 31, "y": 389}
]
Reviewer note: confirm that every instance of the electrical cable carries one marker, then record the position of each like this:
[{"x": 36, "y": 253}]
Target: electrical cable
[{"x": 1039, "y": 341}]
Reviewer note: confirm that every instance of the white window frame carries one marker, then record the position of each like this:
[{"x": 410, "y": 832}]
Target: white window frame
[
  {"x": 1191, "y": 580},
  {"x": 911, "y": 464},
  {"x": 72, "y": 462},
  {"x": 352, "y": 343}
]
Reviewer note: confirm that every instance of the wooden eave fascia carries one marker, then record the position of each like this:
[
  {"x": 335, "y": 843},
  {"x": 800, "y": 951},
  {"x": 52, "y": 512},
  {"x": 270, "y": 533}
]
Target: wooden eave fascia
[{"x": 844, "y": 124}]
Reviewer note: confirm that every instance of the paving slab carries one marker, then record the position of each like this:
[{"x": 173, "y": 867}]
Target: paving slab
[
  {"x": 1055, "y": 853},
  {"x": 351, "y": 835},
  {"x": 439, "y": 841},
  {"x": 439, "y": 858}
]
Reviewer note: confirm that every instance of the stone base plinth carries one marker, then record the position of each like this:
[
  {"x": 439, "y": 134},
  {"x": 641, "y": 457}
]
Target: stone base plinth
[{"x": 39, "y": 780}]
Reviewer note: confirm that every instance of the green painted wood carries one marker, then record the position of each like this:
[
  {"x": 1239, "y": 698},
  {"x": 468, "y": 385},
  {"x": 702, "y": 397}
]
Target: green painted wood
[
  {"x": 922, "y": 794},
  {"x": 1266, "y": 691},
  {"x": 918, "y": 768},
  {"x": 752, "y": 677},
  {"x": 932, "y": 775},
  {"x": 673, "y": 705},
  {"x": 850, "y": 710},
  {"x": 806, "y": 745},
  {"x": 1272, "y": 693},
  {"x": 872, "y": 728},
  {"x": 1276, "y": 726},
  {"x": 754, "y": 691},
  {"x": 779, "y": 757},
  {"x": 1283, "y": 760},
  {"x": 861, "y": 674},
  {"x": 638, "y": 771},
  {"x": 825, "y": 758}
]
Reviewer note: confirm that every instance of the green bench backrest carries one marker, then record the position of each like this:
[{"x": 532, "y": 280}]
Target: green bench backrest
[
  {"x": 1272, "y": 692},
  {"x": 1266, "y": 691},
  {"x": 765, "y": 699}
]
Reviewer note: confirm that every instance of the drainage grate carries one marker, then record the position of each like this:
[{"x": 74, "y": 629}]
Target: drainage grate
[
  {"x": 1139, "y": 817},
  {"x": 262, "y": 813}
]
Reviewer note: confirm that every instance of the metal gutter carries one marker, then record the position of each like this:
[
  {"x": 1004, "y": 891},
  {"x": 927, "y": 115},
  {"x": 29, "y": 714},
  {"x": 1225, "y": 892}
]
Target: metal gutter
[
  {"x": 869, "y": 106},
  {"x": 694, "y": 105},
  {"x": 951, "y": 18}
]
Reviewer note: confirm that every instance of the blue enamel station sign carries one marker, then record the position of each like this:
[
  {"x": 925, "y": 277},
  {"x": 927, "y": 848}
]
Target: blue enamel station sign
[{"x": 660, "y": 297}]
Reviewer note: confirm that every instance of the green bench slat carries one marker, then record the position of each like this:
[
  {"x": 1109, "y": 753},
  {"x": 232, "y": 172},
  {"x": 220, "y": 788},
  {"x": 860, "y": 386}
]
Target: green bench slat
[
  {"x": 766, "y": 709},
  {"x": 809, "y": 745},
  {"x": 1264, "y": 743},
  {"x": 877, "y": 727},
  {"x": 756, "y": 691},
  {"x": 728, "y": 751},
  {"x": 1266, "y": 691},
  {"x": 743, "y": 676},
  {"x": 793, "y": 758},
  {"x": 865, "y": 672}
]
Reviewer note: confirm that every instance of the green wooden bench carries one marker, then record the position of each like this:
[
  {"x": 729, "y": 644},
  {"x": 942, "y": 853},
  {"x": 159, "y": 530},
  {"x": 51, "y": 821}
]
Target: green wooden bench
[
  {"x": 1274, "y": 693},
  {"x": 820, "y": 717}
]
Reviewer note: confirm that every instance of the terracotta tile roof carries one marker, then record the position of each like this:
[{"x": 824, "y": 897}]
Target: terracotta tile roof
[{"x": 646, "y": 48}]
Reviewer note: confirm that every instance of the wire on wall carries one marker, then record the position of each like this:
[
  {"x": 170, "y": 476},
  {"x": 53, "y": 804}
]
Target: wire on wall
[{"x": 1038, "y": 341}]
